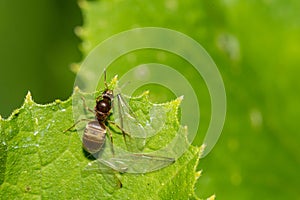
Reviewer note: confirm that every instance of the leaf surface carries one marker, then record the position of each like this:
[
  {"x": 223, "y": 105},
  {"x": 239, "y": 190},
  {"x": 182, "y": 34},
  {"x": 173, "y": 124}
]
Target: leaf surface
[{"x": 39, "y": 160}]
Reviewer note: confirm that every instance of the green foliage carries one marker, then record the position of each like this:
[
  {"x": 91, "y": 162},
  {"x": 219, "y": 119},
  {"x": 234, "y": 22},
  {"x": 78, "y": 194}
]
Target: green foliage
[
  {"x": 36, "y": 50},
  {"x": 39, "y": 160},
  {"x": 255, "y": 46}
]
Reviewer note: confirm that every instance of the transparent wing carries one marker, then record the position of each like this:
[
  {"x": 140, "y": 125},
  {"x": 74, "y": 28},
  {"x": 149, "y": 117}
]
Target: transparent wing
[
  {"x": 157, "y": 119},
  {"x": 137, "y": 163},
  {"x": 109, "y": 174},
  {"x": 126, "y": 119}
]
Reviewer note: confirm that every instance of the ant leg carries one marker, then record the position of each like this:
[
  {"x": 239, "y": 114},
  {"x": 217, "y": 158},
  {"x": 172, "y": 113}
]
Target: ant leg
[
  {"x": 76, "y": 124},
  {"x": 121, "y": 119},
  {"x": 123, "y": 132},
  {"x": 111, "y": 141},
  {"x": 85, "y": 106},
  {"x": 110, "y": 175}
]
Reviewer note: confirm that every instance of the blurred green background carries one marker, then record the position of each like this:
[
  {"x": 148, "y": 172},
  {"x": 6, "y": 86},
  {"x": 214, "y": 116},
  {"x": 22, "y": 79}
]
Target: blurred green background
[
  {"x": 37, "y": 46},
  {"x": 255, "y": 44}
]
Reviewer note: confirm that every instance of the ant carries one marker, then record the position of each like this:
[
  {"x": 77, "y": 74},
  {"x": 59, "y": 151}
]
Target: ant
[{"x": 95, "y": 131}]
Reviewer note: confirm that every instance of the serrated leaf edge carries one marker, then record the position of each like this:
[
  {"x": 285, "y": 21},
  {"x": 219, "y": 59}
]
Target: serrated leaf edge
[{"x": 29, "y": 101}]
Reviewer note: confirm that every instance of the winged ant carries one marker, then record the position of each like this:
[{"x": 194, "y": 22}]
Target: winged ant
[{"x": 96, "y": 130}]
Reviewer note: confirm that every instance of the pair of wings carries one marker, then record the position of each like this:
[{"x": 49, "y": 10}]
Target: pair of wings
[
  {"x": 142, "y": 164},
  {"x": 136, "y": 161},
  {"x": 127, "y": 119}
]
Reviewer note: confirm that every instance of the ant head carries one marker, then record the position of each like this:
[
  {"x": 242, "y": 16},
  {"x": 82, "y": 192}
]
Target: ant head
[{"x": 108, "y": 94}]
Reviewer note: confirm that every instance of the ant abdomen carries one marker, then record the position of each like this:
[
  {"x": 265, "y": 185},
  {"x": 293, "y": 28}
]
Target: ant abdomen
[{"x": 94, "y": 136}]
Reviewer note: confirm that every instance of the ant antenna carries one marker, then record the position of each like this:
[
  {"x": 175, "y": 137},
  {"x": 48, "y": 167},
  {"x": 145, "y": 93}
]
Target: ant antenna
[{"x": 105, "y": 83}]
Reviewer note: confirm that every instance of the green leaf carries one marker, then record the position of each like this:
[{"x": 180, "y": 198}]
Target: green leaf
[
  {"x": 39, "y": 160},
  {"x": 259, "y": 147}
]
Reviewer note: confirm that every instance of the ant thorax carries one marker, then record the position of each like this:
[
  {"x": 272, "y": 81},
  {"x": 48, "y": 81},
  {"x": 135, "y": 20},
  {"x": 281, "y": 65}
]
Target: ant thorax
[{"x": 103, "y": 106}]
